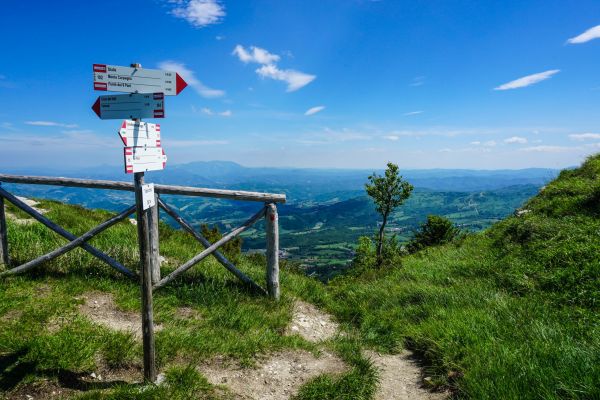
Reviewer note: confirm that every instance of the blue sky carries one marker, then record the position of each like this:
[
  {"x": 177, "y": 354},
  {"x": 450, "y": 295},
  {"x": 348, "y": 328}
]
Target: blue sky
[{"x": 347, "y": 83}]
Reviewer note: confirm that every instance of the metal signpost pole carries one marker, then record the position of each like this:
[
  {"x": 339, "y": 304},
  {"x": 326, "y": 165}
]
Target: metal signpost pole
[{"x": 145, "y": 276}]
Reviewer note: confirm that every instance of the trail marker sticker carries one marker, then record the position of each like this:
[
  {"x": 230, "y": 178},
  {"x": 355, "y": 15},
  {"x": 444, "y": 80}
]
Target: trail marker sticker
[
  {"x": 142, "y": 159},
  {"x": 130, "y": 106},
  {"x": 148, "y": 199},
  {"x": 137, "y": 80},
  {"x": 140, "y": 134}
]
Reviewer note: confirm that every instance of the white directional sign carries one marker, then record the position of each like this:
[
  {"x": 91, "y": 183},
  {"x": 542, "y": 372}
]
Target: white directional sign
[
  {"x": 142, "y": 159},
  {"x": 148, "y": 199},
  {"x": 137, "y": 80},
  {"x": 130, "y": 106},
  {"x": 140, "y": 134}
]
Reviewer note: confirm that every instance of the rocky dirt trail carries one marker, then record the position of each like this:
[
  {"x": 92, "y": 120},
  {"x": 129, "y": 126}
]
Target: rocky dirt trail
[{"x": 400, "y": 378}]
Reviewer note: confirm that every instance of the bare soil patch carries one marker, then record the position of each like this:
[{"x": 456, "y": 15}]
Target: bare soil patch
[
  {"x": 278, "y": 377},
  {"x": 311, "y": 323},
  {"x": 400, "y": 378},
  {"x": 101, "y": 309}
]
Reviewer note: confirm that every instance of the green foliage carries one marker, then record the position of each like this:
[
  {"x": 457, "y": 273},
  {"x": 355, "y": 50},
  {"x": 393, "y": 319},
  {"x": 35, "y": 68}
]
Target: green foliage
[
  {"x": 512, "y": 313},
  {"x": 435, "y": 231},
  {"x": 232, "y": 249},
  {"x": 387, "y": 192},
  {"x": 365, "y": 256}
]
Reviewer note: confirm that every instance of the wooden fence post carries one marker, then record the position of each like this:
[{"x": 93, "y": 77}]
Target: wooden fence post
[
  {"x": 146, "y": 284},
  {"x": 153, "y": 219},
  {"x": 3, "y": 235},
  {"x": 272, "y": 234}
]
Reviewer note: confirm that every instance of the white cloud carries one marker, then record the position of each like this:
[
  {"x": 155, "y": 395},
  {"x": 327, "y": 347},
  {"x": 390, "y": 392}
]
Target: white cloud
[
  {"x": 190, "y": 77},
  {"x": 294, "y": 79},
  {"x": 256, "y": 55},
  {"x": 590, "y": 34},
  {"x": 199, "y": 13},
  {"x": 476, "y": 143},
  {"x": 516, "y": 139},
  {"x": 314, "y": 110},
  {"x": 489, "y": 143},
  {"x": 269, "y": 69},
  {"x": 528, "y": 80},
  {"x": 208, "y": 111},
  {"x": 392, "y": 137},
  {"x": 546, "y": 149},
  {"x": 585, "y": 136},
  {"x": 50, "y": 123},
  {"x": 413, "y": 113}
]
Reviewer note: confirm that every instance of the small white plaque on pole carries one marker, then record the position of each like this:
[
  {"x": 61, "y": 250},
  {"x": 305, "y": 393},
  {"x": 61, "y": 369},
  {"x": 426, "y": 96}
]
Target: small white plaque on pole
[{"x": 148, "y": 200}]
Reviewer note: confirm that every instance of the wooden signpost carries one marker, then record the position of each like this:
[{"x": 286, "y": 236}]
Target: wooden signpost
[
  {"x": 131, "y": 106},
  {"x": 142, "y": 152},
  {"x": 140, "y": 134},
  {"x": 134, "y": 79}
]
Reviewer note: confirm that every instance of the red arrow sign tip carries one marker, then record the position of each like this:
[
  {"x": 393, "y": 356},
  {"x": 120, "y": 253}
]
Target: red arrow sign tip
[
  {"x": 180, "y": 84},
  {"x": 96, "y": 107}
]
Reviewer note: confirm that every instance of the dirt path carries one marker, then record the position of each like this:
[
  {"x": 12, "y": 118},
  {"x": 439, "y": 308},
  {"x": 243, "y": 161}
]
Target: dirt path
[
  {"x": 101, "y": 309},
  {"x": 311, "y": 323},
  {"x": 400, "y": 378},
  {"x": 277, "y": 378}
]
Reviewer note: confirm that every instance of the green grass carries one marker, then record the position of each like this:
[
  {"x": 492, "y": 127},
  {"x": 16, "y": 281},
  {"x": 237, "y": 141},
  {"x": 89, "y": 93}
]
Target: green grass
[
  {"x": 42, "y": 337},
  {"x": 512, "y": 313}
]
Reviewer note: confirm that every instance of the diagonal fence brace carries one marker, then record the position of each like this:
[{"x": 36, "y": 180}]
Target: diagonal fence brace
[
  {"x": 209, "y": 250},
  {"x": 217, "y": 254},
  {"x": 71, "y": 245},
  {"x": 66, "y": 234}
]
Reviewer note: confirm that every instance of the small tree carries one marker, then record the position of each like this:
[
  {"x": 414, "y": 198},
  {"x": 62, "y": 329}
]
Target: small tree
[
  {"x": 437, "y": 230},
  {"x": 388, "y": 192}
]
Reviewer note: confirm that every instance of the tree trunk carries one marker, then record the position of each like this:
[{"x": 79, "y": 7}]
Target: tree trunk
[{"x": 380, "y": 240}]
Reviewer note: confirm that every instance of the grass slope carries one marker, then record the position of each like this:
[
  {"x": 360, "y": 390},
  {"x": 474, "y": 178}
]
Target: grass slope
[
  {"x": 44, "y": 341},
  {"x": 511, "y": 313}
]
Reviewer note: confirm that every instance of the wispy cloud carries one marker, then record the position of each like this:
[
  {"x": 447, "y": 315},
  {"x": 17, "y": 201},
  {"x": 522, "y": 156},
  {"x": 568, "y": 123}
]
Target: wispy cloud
[
  {"x": 190, "y": 77},
  {"x": 417, "y": 81},
  {"x": 488, "y": 143},
  {"x": 329, "y": 136},
  {"x": 413, "y": 113},
  {"x": 255, "y": 55},
  {"x": 392, "y": 137},
  {"x": 50, "y": 123},
  {"x": 208, "y": 111},
  {"x": 269, "y": 69},
  {"x": 585, "y": 136},
  {"x": 528, "y": 80},
  {"x": 199, "y": 13},
  {"x": 590, "y": 34},
  {"x": 546, "y": 149},
  {"x": 515, "y": 140},
  {"x": 314, "y": 110}
]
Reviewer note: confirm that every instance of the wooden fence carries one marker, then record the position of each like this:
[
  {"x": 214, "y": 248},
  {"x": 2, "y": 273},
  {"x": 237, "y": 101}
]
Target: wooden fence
[{"x": 148, "y": 239}]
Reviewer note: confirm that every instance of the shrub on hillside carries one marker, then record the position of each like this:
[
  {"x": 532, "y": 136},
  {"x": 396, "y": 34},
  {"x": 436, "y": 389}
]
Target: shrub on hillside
[
  {"x": 435, "y": 231},
  {"x": 365, "y": 256},
  {"x": 232, "y": 249}
]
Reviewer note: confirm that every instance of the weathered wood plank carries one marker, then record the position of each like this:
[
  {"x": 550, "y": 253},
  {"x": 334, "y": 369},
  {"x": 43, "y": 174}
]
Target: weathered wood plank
[
  {"x": 199, "y": 257},
  {"x": 161, "y": 189},
  {"x": 4, "y": 259},
  {"x": 66, "y": 234},
  {"x": 217, "y": 254},
  {"x": 71, "y": 245},
  {"x": 272, "y": 233},
  {"x": 153, "y": 219},
  {"x": 146, "y": 282}
]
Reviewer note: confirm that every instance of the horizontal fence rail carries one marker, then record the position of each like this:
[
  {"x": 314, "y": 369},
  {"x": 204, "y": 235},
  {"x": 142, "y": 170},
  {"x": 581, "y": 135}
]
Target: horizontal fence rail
[{"x": 160, "y": 189}]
